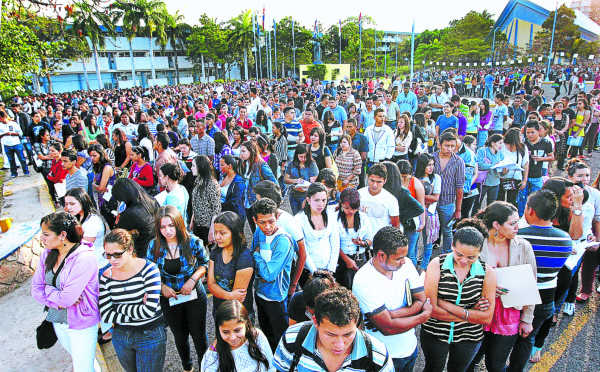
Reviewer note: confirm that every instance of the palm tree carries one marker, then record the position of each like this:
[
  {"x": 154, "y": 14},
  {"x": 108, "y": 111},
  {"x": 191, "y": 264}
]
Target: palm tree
[
  {"x": 130, "y": 30},
  {"x": 95, "y": 25},
  {"x": 241, "y": 35},
  {"x": 148, "y": 17},
  {"x": 178, "y": 32}
]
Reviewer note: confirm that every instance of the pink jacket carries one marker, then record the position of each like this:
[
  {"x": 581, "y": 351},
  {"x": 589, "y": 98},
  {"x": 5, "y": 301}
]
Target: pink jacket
[{"x": 79, "y": 278}]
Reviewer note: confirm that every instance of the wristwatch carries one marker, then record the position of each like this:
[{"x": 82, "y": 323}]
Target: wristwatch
[{"x": 577, "y": 212}]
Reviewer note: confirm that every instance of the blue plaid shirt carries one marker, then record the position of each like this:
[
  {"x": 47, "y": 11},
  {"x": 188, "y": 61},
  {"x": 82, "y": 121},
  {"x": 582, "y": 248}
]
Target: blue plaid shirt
[{"x": 187, "y": 268}]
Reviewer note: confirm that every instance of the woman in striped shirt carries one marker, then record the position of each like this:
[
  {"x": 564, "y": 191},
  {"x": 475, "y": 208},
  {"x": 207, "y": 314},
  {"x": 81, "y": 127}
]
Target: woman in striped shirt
[
  {"x": 129, "y": 298},
  {"x": 462, "y": 291},
  {"x": 348, "y": 163}
]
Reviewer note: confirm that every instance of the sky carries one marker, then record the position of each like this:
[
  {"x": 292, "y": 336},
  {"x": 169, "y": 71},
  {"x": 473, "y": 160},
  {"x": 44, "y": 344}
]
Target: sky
[{"x": 429, "y": 14}]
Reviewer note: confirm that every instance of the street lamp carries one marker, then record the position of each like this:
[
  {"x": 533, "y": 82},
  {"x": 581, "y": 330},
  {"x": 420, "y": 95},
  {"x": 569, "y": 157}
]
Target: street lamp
[{"x": 494, "y": 43}]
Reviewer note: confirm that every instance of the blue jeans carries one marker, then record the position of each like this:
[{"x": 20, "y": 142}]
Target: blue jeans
[
  {"x": 533, "y": 185},
  {"x": 296, "y": 203},
  {"x": 521, "y": 352},
  {"x": 413, "y": 239},
  {"x": 141, "y": 351},
  {"x": 489, "y": 91},
  {"x": 11, "y": 151},
  {"x": 427, "y": 249},
  {"x": 482, "y": 136},
  {"x": 272, "y": 318},
  {"x": 446, "y": 213},
  {"x": 406, "y": 364}
]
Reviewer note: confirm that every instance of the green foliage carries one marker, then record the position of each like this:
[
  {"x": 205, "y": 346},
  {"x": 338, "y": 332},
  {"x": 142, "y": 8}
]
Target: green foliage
[
  {"x": 316, "y": 71},
  {"x": 208, "y": 40},
  {"x": 19, "y": 48},
  {"x": 567, "y": 36}
]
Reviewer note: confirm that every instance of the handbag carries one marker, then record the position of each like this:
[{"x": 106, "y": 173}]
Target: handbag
[
  {"x": 45, "y": 335},
  {"x": 510, "y": 183},
  {"x": 575, "y": 141}
]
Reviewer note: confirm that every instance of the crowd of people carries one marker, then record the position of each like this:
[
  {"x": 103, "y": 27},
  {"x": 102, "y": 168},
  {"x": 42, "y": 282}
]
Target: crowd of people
[{"x": 404, "y": 201}]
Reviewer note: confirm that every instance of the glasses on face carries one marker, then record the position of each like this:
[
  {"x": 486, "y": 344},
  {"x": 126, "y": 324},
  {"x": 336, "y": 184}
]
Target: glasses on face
[{"x": 115, "y": 255}]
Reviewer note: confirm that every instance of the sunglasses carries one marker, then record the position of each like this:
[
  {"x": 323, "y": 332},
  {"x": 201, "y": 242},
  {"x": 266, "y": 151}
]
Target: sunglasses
[{"x": 116, "y": 255}]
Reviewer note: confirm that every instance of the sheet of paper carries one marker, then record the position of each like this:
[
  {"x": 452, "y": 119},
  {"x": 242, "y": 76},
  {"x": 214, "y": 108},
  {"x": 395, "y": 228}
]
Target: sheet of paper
[
  {"x": 521, "y": 284},
  {"x": 183, "y": 298},
  {"x": 507, "y": 164},
  {"x": 108, "y": 194},
  {"x": 161, "y": 197},
  {"x": 579, "y": 250}
]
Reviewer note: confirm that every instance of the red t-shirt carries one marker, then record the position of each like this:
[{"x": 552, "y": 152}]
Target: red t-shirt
[{"x": 307, "y": 127}]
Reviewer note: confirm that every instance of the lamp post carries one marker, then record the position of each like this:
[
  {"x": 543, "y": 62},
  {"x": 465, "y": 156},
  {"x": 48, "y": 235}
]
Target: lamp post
[
  {"x": 494, "y": 45},
  {"x": 551, "y": 44}
]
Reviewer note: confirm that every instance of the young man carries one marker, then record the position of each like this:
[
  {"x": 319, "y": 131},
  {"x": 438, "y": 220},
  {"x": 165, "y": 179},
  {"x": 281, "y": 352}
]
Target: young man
[
  {"x": 76, "y": 177},
  {"x": 499, "y": 116},
  {"x": 517, "y": 113},
  {"x": 551, "y": 247},
  {"x": 338, "y": 111},
  {"x": 392, "y": 313},
  {"x": 332, "y": 340},
  {"x": 273, "y": 253},
  {"x": 448, "y": 120},
  {"x": 381, "y": 140},
  {"x": 202, "y": 143},
  {"x": 540, "y": 151},
  {"x": 406, "y": 100},
  {"x": 293, "y": 129},
  {"x": 324, "y": 104},
  {"x": 11, "y": 134},
  {"x": 360, "y": 144},
  {"x": 268, "y": 189},
  {"x": 164, "y": 153},
  {"x": 243, "y": 120},
  {"x": 451, "y": 169},
  {"x": 437, "y": 102},
  {"x": 367, "y": 115},
  {"x": 379, "y": 204},
  {"x": 308, "y": 122}
]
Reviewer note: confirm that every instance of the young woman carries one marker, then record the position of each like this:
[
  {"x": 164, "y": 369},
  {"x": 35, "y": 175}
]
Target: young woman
[
  {"x": 41, "y": 148},
  {"x": 591, "y": 258},
  {"x": 57, "y": 172},
  {"x": 431, "y": 130},
  {"x": 238, "y": 139},
  {"x": 102, "y": 140},
  {"x": 146, "y": 139},
  {"x": 91, "y": 130},
  {"x": 206, "y": 201},
  {"x": 141, "y": 171},
  {"x": 280, "y": 146},
  {"x": 66, "y": 281},
  {"x": 129, "y": 298},
  {"x": 503, "y": 248},
  {"x": 488, "y": 179},
  {"x": 138, "y": 215},
  {"x": 83, "y": 158},
  {"x": 591, "y": 136},
  {"x": 255, "y": 170},
  {"x": 104, "y": 173},
  {"x": 231, "y": 263},
  {"x": 432, "y": 185},
  {"x": 356, "y": 237},
  {"x": 454, "y": 331},
  {"x": 266, "y": 153},
  {"x": 561, "y": 122},
  {"x": 513, "y": 181},
  {"x": 301, "y": 169},
  {"x": 232, "y": 187},
  {"x": 349, "y": 164},
  {"x": 221, "y": 148},
  {"x": 577, "y": 129},
  {"x": 263, "y": 122},
  {"x": 485, "y": 118},
  {"x": 353, "y": 114},
  {"x": 239, "y": 346},
  {"x": 229, "y": 124},
  {"x": 333, "y": 129},
  {"x": 403, "y": 138},
  {"x": 176, "y": 195},
  {"x": 182, "y": 261},
  {"x": 473, "y": 119},
  {"x": 320, "y": 153},
  {"x": 321, "y": 232},
  {"x": 122, "y": 149}
]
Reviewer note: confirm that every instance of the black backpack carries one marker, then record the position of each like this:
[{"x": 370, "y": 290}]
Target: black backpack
[{"x": 366, "y": 363}]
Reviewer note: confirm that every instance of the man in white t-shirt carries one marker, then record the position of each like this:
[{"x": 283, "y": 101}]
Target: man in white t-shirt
[
  {"x": 378, "y": 203},
  {"x": 392, "y": 298}
]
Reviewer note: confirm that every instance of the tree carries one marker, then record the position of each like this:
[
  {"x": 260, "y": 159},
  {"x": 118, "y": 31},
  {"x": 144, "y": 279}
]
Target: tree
[
  {"x": 95, "y": 25},
  {"x": 18, "y": 56},
  {"x": 565, "y": 36},
  {"x": 241, "y": 35},
  {"x": 178, "y": 33},
  {"x": 207, "y": 41}
]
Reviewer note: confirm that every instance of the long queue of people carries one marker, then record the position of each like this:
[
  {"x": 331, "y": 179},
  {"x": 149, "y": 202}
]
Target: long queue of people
[{"x": 155, "y": 212}]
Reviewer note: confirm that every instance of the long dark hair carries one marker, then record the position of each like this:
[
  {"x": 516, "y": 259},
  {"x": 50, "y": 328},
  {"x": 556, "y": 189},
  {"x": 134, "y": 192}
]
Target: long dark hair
[
  {"x": 351, "y": 196},
  {"x": 80, "y": 143},
  {"x": 313, "y": 189},
  {"x": 57, "y": 223},
  {"x": 99, "y": 166},
  {"x": 321, "y": 134},
  {"x": 206, "y": 172},
  {"x": 238, "y": 239},
  {"x": 302, "y": 148},
  {"x": 261, "y": 119},
  {"x": 422, "y": 163},
  {"x": 559, "y": 186},
  {"x": 144, "y": 132},
  {"x": 486, "y": 105},
  {"x": 234, "y": 161},
  {"x": 513, "y": 137},
  {"x": 220, "y": 141},
  {"x": 393, "y": 183},
  {"x": 234, "y": 310},
  {"x": 183, "y": 237},
  {"x": 131, "y": 193},
  {"x": 87, "y": 206}
]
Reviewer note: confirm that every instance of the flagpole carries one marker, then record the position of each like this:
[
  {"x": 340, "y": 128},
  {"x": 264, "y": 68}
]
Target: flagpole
[
  {"x": 412, "y": 48},
  {"x": 275, "y": 35},
  {"x": 340, "y": 35},
  {"x": 255, "y": 46},
  {"x": 359, "y": 49},
  {"x": 551, "y": 44},
  {"x": 375, "y": 71},
  {"x": 259, "y": 53},
  {"x": 294, "y": 48}
]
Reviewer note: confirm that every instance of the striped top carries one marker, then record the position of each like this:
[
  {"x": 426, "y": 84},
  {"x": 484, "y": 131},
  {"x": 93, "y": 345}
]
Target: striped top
[
  {"x": 122, "y": 301},
  {"x": 293, "y": 129},
  {"x": 465, "y": 295},
  {"x": 551, "y": 247},
  {"x": 312, "y": 361},
  {"x": 453, "y": 177}
]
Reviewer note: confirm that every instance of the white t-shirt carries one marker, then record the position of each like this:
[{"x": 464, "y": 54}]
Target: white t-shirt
[
  {"x": 591, "y": 211},
  {"x": 346, "y": 235},
  {"x": 378, "y": 207},
  {"x": 512, "y": 157},
  {"x": 376, "y": 293},
  {"x": 242, "y": 359},
  {"x": 145, "y": 142},
  {"x": 287, "y": 223},
  {"x": 93, "y": 227}
]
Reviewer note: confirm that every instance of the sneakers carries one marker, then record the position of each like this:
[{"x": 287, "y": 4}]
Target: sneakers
[
  {"x": 13, "y": 176},
  {"x": 27, "y": 174},
  {"x": 569, "y": 308}
]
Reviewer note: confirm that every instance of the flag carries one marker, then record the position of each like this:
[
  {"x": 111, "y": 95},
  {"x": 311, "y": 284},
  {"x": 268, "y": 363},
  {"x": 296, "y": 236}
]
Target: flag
[
  {"x": 340, "y": 29},
  {"x": 263, "y": 23},
  {"x": 257, "y": 30},
  {"x": 292, "y": 31},
  {"x": 315, "y": 30},
  {"x": 360, "y": 21},
  {"x": 274, "y": 26}
]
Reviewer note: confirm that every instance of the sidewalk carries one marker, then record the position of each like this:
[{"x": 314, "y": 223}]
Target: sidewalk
[{"x": 27, "y": 201}]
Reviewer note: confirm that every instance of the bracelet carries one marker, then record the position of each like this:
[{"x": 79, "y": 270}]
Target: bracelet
[
  {"x": 465, "y": 311},
  {"x": 467, "y": 317},
  {"x": 195, "y": 281}
]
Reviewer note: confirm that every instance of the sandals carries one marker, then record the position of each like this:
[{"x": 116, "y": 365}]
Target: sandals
[
  {"x": 102, "y": 340},
  {"x": 534, "y": 351},
  {"x": 582, "y": 298}
]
